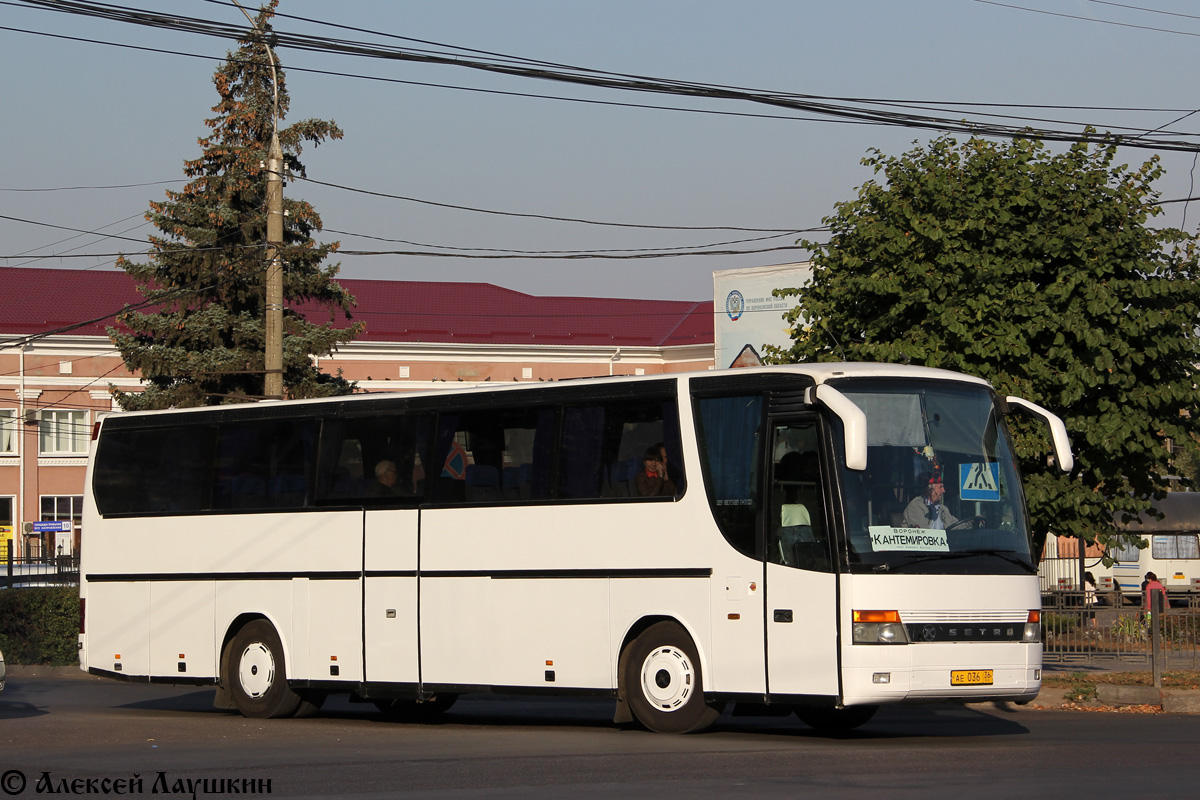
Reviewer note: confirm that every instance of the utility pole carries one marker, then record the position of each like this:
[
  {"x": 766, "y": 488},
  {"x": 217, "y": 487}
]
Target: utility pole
[
  {"x": 273, "y": 289},
  {"x": 273, "y": 357}
]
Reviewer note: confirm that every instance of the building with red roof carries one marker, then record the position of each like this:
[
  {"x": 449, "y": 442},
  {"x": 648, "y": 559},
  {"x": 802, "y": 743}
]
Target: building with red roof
[{"x": 57, "y": 363}]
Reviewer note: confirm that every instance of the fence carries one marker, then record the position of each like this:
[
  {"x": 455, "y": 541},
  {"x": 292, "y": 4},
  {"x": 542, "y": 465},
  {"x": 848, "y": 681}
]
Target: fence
[
  {"x": 1060, "y": 573},
  {"x": 19, "y": 572},
  {"x": 1112, "y": 634}
]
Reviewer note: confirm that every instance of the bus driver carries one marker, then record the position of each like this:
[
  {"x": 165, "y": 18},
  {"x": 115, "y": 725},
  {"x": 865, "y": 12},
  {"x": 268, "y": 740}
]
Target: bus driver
[{"x": 926, "y": 509}]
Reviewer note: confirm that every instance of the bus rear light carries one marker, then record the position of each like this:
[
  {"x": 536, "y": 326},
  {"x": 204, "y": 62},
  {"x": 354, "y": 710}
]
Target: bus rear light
[
  {"x": 82, "y": 615},
  {"x": 879, "y": 627},
  {"x": 95, "y": 430},
  {"x": 1033, "y": 627}
]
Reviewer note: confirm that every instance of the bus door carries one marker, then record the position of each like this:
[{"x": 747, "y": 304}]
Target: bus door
[
  {"x": 390, "y": 595},
  {"x": 375, "y": 462},
  {"x": 801, "y": 596}
]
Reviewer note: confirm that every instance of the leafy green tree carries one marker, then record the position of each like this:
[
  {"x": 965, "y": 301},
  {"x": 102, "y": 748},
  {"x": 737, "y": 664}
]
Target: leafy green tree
[
  {"x": 1038, "y": 272},
  {"x": 202, "y": 342}
]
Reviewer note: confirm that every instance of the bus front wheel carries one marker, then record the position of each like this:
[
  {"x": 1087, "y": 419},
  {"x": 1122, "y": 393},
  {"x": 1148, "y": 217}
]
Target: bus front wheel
[
  {"x": 662, "y": 682},
  {"x": 253, "y": 671}
]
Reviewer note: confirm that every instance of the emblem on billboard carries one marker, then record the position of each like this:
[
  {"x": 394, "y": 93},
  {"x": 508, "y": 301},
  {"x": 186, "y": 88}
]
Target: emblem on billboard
[{"x": 735, "y": 304}]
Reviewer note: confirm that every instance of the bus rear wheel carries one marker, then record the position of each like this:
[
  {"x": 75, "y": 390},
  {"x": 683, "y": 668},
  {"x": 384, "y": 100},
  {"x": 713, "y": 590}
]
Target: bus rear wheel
[
  {"x": 662, "y": 682},
  {"x": 253, "y": 671}
]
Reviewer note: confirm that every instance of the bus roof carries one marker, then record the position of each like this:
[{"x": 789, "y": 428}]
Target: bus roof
[
  {"x": 819, "y": 372},
  {"x": 1181, "y": 514}
]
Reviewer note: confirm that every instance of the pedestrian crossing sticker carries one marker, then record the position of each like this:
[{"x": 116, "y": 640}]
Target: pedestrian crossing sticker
[{"x": 979, "y": 482}]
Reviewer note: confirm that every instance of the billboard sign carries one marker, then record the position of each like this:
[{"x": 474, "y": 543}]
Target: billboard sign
[{"x": 748, "y": 316}]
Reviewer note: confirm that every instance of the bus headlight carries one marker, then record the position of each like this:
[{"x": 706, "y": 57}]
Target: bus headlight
[
  {"x": 879, "y": 627},
  {"x": 1033, "y": 628}
]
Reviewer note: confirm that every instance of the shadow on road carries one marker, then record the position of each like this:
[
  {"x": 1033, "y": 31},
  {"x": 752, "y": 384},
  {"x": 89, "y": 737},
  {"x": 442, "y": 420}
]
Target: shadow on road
[
  {"x": 897, "y": 722},
  {"x": 16, "y": 709},
  {"x": 201, "y": 700}
]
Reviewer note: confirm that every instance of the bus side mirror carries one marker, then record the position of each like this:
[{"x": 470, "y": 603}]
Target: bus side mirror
[
  {"x": 1058, "y": 431},
  {"x": 854, "y": 423}
]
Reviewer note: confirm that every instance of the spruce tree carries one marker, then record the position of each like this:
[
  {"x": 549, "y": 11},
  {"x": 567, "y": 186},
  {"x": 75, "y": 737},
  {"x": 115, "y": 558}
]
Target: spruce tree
[{"x": 202, "y": 342}]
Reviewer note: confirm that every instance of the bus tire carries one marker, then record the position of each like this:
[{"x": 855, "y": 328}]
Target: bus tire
[
  {"x": 662, "y": 682},
  {"x": 253, "y": 670},
  {"x": 310, "y": 703},
  {"x": 835, "y": 720}
]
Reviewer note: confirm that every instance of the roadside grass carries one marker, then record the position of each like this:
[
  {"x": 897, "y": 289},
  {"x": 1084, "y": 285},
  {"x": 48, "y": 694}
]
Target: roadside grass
[{"x": 1081, "y": 686}]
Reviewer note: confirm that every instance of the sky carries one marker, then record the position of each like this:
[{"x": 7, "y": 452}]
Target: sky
[{"x": 81, "y": 113}]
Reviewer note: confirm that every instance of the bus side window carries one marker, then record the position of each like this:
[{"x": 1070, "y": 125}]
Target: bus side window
[
  {"x": 377, "y": 459},
  {"x": 155, "y": 470},
  {"x": 604, "y": 446},
  {"x": 797, "y": 535},
  {"x": 491, "y": 456},
  {"x": 262, "y": 466},
  {"x": 728, "y": 431}
]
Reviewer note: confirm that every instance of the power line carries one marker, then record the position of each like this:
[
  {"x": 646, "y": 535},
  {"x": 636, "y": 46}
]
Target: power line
[
  {"x": 542, "y": 216},
  {"x": 576, "y": 256},
  {"x": 37, "y": 258},
  {"x": 78, "y": 188},
  {"x": 1143, "y": 8},
  {"x": 73, "y": 230},
  {"x": 570, "y": 252},
  {"x": 469, "y": 252},
  {"x": 594, "y": 78},
  {"x": 1090, "y": 19}
]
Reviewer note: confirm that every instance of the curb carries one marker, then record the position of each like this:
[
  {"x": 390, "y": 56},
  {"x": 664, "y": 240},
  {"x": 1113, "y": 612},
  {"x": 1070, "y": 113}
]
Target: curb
[
  {"x": 1172, "y": 701},
  {"x": 43, "y": 671}
]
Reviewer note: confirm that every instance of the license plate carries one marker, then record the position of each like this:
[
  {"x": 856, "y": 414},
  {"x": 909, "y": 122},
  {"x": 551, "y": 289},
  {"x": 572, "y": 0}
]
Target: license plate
[{"x": 971, "y": 677}]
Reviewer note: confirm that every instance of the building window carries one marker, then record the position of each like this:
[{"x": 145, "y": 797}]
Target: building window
[
  {"x": 63, "y": 433},
  {"x": 69, "y": 508},
  {"x": 9, "y": 428}
]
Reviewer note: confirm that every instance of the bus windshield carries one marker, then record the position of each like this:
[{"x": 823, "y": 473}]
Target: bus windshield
[{"x": 941, "y": 492}]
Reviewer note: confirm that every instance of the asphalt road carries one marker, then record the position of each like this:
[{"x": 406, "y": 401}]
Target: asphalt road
[{"x": 73, "y": 729}]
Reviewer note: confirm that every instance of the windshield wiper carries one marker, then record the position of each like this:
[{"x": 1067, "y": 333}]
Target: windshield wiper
[{"x": 1007, "y": 555}]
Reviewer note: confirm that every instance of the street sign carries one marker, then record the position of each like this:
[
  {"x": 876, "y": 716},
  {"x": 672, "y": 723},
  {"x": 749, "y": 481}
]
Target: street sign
[
  {"x": 979, "y": 482},
  {"x": 49, "y": 526}
]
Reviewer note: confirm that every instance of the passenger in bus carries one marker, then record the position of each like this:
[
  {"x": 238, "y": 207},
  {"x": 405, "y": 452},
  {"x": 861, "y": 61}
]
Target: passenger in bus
[
  {"x": 926, "y": 509},
  {"x": 652, "y": 479},
  {"x": 672, "y": 472},
  {"x": 386, "y": 477}
]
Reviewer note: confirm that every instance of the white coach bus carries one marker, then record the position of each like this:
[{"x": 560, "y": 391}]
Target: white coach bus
[{"x": 676, "y": 543}]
